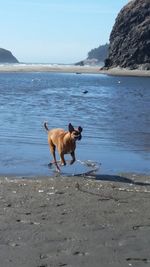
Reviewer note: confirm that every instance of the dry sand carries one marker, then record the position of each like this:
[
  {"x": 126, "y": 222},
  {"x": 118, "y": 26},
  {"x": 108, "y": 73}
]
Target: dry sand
[
  {"x": 71, "y": 69},
  {"x": 75, "y": 221}
]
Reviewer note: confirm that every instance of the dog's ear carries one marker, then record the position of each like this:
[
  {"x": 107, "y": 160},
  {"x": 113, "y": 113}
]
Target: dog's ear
[
  {"x": 80, "y": 129},
  {"x": 70, "y": 128}
]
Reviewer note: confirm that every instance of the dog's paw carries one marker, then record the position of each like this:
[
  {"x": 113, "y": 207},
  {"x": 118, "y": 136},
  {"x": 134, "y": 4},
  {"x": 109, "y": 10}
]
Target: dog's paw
[
  {"x": 50, "y": 164},
  {"x": 63, "y": 163},
  {"x": 72, "y": 161}
]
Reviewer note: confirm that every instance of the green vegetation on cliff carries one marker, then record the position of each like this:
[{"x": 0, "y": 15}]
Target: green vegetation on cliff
[
  {"x": 100, "y": 53},
  {"x": 95, "y": 56}
]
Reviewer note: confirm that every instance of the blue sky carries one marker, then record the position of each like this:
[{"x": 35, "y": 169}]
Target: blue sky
[{"x": 58, "y": 31}]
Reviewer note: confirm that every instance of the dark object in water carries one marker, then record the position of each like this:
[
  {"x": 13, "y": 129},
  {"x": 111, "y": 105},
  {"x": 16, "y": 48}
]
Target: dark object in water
[
  {"x": 85, "y": 92},
  {"x": 78, "y": 72}
]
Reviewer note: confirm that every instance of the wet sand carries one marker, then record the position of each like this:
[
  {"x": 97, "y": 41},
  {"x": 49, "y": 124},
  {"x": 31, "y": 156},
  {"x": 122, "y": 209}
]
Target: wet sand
[
  {"x": 72, "y": 69},
  {"x": 75, "y": 221}
]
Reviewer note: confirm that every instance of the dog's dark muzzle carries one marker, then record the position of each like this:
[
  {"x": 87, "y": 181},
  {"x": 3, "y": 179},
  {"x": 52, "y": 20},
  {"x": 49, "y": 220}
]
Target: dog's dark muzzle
[{"x": 79, "y": 137}]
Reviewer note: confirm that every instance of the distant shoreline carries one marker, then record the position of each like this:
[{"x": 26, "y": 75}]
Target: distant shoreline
[{"x": 71, "y": 69}]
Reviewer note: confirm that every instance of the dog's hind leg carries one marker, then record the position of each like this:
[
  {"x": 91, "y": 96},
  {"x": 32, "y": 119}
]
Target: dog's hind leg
[{"x": 52, "y": 150}]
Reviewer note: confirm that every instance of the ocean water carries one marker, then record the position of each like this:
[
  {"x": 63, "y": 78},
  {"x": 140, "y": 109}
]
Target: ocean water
[{"x": 114, "y": 114}]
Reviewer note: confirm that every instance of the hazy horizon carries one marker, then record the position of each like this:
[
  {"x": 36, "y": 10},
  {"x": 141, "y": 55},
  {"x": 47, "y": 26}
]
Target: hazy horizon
[{"x": 56, "y": 32}]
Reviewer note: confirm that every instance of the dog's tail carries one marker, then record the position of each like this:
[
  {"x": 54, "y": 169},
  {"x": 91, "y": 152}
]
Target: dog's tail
[{"x": 45, "y": 126}]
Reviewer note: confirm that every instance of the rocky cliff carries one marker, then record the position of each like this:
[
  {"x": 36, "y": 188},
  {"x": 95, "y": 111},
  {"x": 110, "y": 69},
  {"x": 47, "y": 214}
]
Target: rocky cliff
[
  {"x": 7, "y": 57},
  {"x": 130, "y": 37}
]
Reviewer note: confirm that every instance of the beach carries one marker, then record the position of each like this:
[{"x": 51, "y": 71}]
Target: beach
[
  {"x": 72, "y": 69},
  {"x": 75, "y": 221},
  {"x": 74, "y": 218}
]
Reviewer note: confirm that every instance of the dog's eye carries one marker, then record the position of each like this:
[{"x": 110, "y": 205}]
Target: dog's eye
[{"x": 76, "y": 134}]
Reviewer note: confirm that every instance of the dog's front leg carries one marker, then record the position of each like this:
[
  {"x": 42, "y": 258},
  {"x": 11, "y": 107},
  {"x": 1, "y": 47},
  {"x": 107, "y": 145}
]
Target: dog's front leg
[
  {"x": 73, "y": 157},
  {"x": 62, "y": 159}
]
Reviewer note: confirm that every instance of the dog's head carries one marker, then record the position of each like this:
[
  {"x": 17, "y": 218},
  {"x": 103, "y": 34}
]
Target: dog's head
[{"x": 75, "y": 133}]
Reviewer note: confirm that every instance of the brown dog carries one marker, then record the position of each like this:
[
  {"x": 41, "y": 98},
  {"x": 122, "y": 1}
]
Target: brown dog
[{"x": 64, "y": 141}]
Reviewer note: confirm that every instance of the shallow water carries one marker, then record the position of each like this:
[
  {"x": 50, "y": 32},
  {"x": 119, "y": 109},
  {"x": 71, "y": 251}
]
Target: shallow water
[{"x": 114, "y": 114}]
